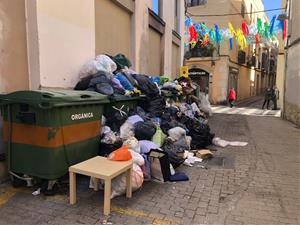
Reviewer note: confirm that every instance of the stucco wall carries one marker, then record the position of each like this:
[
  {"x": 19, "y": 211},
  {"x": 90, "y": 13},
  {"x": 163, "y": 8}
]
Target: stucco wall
[
  {"x": 243, "y": 83},
  {"x": 113, "y": 28},
  {"x": 13, "y": 54},
  {"x": 66, "y": 39},
  {"x": 176, "y": 51},
  {"x": 292, "y": 92},
  {"x": 13, "y": 47},
  {"x": 155, "y": 56}
]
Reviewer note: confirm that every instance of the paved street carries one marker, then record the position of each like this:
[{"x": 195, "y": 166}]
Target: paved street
[{"x": 257, "y": 184}]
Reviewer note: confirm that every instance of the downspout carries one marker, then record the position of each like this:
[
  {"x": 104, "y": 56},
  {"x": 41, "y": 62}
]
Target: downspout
[{"x": 288, "y": 4}]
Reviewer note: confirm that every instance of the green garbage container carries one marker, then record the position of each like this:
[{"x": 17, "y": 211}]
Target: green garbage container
[
  {"x": 122, "y": 102},
  {"x": 47, "y": 131}
]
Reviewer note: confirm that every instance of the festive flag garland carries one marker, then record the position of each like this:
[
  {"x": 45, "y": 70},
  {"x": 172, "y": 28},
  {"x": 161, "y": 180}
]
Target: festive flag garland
[{"x": 247, "y": 34}]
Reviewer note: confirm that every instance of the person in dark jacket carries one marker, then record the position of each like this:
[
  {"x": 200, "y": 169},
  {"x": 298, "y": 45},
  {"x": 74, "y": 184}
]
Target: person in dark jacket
[
  {"x": 275, "y": 96},
  {"x": 268, "y": 97}
]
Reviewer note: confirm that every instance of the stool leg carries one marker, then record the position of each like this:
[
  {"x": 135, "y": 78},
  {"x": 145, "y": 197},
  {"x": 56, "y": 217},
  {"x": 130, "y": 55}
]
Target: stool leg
[
  {"x": 129, "y": 183},
  {"x": 72, "y": 177},
  {"x": 107, "y": 194}
]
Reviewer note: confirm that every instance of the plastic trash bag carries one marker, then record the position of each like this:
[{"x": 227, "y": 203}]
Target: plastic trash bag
[
  {"x": 126, "y": 131},
  {"x": 133, "y": 144},
  {"x": 177, "y": 133},
  {"x": 104, "y": 63},
  {"x": 137, "y": 179},
  {"x": 159, "y": 137},
  {"x": 89, "y": 68},
  {"x": 205, "y": 104}
]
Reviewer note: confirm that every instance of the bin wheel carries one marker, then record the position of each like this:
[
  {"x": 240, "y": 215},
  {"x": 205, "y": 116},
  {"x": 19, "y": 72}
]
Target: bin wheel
[{"x": 16, "y": 182}]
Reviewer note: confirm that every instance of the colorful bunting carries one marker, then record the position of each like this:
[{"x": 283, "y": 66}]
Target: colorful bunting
[{"x": 248, "y": 34}]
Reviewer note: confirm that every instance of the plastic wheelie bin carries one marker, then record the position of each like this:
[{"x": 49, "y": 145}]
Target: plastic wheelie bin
[
  {"x": 47, "y": 131},
  {"x": 122, "y": 102}
]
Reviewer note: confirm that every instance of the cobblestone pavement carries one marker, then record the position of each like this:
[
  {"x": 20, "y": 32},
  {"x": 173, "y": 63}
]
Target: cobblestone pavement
[{"x": 257, "y": 184}]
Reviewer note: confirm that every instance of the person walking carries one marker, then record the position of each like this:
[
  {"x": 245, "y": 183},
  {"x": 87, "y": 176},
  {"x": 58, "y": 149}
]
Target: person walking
[
  {"x": 231, "y": 97},
  {"x": 268, "y": 97},
  {"x": 275, "y": 97}
]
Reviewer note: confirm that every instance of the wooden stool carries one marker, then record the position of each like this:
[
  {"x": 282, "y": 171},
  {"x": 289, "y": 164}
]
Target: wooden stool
[{"x": 101, "y": 168}]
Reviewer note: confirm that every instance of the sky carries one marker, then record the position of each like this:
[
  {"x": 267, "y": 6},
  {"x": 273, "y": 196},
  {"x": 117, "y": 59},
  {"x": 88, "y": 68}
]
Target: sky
[{"x": 272, "y": 4}]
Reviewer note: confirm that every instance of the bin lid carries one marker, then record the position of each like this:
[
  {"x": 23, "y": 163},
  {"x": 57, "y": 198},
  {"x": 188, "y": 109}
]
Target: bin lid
[
  {"x": 53, "y": 98},
  {"x": 120, "y": 98}
]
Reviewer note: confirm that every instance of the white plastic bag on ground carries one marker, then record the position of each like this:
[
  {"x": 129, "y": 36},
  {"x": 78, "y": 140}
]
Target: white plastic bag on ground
[
  {"x": 106, "y": 64},
  {"x": 205, "y": 104}
]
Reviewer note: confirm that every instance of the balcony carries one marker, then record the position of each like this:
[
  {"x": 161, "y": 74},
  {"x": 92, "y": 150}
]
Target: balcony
[{"x": 201, "y": 51}]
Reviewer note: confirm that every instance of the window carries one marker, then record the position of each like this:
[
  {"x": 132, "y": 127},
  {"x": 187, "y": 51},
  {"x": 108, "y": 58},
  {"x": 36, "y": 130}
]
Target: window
[
  {"x": 191, "y": 3},
  {"x": 243, "y": 10},
  {"x": 156, "y": 6}
]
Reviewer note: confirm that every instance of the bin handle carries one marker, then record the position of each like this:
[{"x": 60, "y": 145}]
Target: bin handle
[
  {"x": 85, "y": 96},
  {"x": 45, "y": 105}
]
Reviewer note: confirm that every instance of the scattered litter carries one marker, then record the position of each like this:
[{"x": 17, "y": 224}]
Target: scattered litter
[
  {"x": 223, "y": 143},
  {"x": 37, "y": 192}
]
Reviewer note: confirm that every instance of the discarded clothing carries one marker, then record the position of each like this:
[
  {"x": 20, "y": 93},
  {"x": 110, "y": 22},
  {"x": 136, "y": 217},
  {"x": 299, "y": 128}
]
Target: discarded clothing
[
  {"x": 179, "y": 176},
  {"x": 121, "y": 61}
]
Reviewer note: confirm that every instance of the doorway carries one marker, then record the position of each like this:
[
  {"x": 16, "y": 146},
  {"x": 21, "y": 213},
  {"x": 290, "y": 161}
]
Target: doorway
[{"x": 200, "y": 77}]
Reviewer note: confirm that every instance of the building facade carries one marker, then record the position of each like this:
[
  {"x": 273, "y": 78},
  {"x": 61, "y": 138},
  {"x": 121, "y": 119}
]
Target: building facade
[
  {"x": 291, "y": 94},
  {"x": 220, "y": 68},
  {"x": 44, "y": 43}
]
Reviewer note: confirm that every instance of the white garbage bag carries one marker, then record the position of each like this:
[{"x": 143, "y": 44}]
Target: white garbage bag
[
  {"x": 106, "y": 64},
  {"x": 205, "y": 104}
]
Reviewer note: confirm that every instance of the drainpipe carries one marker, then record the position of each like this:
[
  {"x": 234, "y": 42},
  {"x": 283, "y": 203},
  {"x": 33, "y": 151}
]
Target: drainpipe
[{"x": 285, "y": 66}]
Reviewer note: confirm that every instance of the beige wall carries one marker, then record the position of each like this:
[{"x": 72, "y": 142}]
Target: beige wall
[
  {"x": 13, "y": 54},
  {"x": 292, "y": 76},
  {"x": 66, "y": 40},
  {"x": 143, "y": 45},
  {"x": 113, "y": 28},
  {"x": 155, "y": 55},
  {"x": 175, "y": 60}
]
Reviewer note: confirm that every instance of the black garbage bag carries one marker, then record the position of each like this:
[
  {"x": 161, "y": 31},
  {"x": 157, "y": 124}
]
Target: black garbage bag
[
  {"x": 115, "y": 119},
  {"x": 201, "y": 136},
  {"x": 83, "y": 84},
  {"x": 144, "y": 130},
  {"x": 166, "y": 125},
  {"x": 106, "y": 149},
  {"x": 156, "y": 106},
  {"x": 147, "y": 87},
  {"x": 172, "y": 149}
]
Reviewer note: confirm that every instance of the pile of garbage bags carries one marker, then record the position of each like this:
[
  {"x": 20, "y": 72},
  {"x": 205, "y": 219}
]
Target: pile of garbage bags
[
  {"x": 160, "y": 133},
  {"x": 158, "y": 137}
]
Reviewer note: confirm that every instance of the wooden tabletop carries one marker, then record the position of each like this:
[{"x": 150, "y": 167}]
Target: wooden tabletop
[{"x": 101, "y": 167}]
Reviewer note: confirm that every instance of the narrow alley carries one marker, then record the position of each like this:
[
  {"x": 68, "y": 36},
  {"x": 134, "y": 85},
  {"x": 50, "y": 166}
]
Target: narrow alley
[{"x": 256, "y": 184}]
